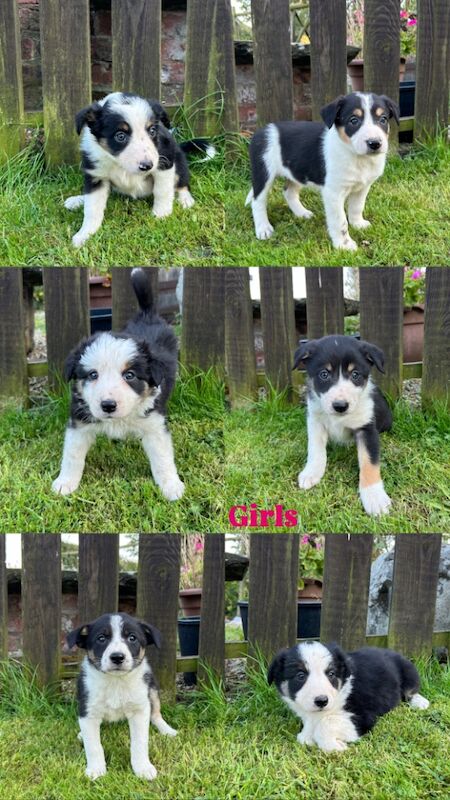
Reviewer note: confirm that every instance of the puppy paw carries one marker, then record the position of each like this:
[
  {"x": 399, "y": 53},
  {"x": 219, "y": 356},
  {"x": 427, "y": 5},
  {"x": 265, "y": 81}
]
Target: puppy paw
[
  {"x": 309, "y": 477},
  {"x": 304, "y": 738},
  {"x": 418, "y": 701},
  {"x": 169, "y": 731},
  {"x": 172, "y": 489},
  {"x": 360, "y": 223},
  {"x": 95, "y": 771},
  {"x": 145, "y": 770},
  {"x": 264, "y": 231},
  {"x": 185, "y": 199},
  {"x": 375, "y": 500},
  {"x": 80, "y": 238},
  {"x": 333, "y": 745},
  {"x": 64, "y": 485},
  {"x": 162, "y": 211},
  {"x": 74, "y": 202},
  {"x": 346, "y": 244}
]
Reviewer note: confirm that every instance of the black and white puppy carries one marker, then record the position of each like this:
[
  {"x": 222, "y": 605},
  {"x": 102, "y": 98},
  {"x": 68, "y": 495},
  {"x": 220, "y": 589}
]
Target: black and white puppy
[
  {"x": 339, "y": 696},
  {"x": 341, "y": 158},
  {"x": 116, "y": 682},
  {"x": 343, "y": 404},
  {"x": 121, "y": 383},
  {"x": 126, "y": 145}
]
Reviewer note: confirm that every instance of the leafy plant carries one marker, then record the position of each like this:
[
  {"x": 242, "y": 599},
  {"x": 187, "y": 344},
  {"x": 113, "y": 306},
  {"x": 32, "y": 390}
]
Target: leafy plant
[
  {"x": 413, "y": 287},
  {"x": 311, "y": 557}
]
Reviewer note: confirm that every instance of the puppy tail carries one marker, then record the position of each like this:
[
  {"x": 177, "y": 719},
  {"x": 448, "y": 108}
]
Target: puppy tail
[
  {"x": 199, "y": 146},
  {"x": 143, "y": 289}
]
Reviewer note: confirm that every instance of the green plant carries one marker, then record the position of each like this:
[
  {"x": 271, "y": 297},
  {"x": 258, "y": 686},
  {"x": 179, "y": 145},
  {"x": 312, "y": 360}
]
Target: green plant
[
  {"x": 408, "y": 29},
  {"x": 413, "y": 287},
  {"x": 191, "y": 573},
  {"x": 311, "y": 556}
]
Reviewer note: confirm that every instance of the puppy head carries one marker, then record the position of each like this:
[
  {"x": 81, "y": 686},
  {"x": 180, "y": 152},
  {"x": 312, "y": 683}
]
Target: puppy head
[
  {"x": 311, "y": 675},
  {"x": 362, "y": 121},
  {"x": 115, "y": 376},
  {"x": 115, "y": 642},
  {"x": 338, "y": 369}
]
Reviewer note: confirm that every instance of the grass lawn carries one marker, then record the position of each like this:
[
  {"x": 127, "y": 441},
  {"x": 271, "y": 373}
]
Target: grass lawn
[
  {"x": 117, "y": 493},
  {"x": 266, "y": 447},
  {"x": 240, "y": 747}
]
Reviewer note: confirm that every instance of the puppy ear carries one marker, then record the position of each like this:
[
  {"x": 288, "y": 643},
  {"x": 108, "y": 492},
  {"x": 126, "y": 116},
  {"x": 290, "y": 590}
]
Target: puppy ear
[
  {"x": 152, "y": 634},
  {"x": 330, "y": 112},
  {"x": 304, "y": 351},
  {"x": 160, "y": 113},
  {"x": 392, "y": 107},
  {"x": 78, "y": 637},
  {"x": 72, "y": 360},
  {"x": 89, "y": 116},
  {"x": 341, "y": 660},
  {"x": 373, "y": 355},
  {"x": 276, "y": 668}
]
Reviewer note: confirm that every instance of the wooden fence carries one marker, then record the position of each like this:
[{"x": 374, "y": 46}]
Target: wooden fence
[
  {"x": 381, "y": 321},
  {"x": 67, "y": 320},
  {"x": 272, "y": 620},
  {"x": 210, "y": 83}
]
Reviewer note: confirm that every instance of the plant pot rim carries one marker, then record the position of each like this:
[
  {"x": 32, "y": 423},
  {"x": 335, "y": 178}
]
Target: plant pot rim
[
  {"x": 189, "y": 592},
  {"x": 414, "y": 307}
]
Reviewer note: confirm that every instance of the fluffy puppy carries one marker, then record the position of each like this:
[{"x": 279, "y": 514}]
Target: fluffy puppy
[
  {"x": 344, "y": 405},
  {"x": 121, "y": 383},
  {"x": 339, "y": 696},
  {"x": 116, "y": 682}
]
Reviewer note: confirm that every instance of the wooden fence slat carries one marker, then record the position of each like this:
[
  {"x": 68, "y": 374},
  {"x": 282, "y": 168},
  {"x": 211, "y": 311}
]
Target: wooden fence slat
[
  {"x": 12, "y": 129},
  {"x": 324, "y": 301},
  {"x": 273, "y": 60},
  {"x": 41, "y": 604},
  {"x": 66, "y": 299},
  {"x": 278, "y": 324},
  {"x": 203, "y": 319},
  {"x": 432, "y": 67},
  {"x": 413, "y": 600},
  {"x": 157, "y": 601},
  {"x": 273, "y": 585},
  {"x": 239, "y": 336},
  {"x": 328, "y": 31},
  {"x": 212, "y": 622},
  {"x": 382, "y": 50},
  {"x": 346, "y": 589},
  {"x": 124, "y": 303},
  {"x": 3, "y": 599},
  {"x": 381, "y": 321},
  {"x": 13, "y": 359},
  {"x": 223, "y": 64},
  {"x": 66, "y": 77},
  {"x": 98, "y": 575},
  {"x": 436, "y": 355},
  {"x": 136, "y": 47}
]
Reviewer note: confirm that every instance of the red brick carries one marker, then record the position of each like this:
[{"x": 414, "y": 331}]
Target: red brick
[
  {"x": 28, "y": 49},
  {"x": 102, "y": 22}
]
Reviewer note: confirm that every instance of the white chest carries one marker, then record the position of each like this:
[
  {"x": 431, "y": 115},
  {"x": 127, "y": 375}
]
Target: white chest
[{"x": 112, "y": 697}]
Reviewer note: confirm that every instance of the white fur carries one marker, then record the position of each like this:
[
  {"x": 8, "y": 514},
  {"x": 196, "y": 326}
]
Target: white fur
[
  {"x": 418, "y": 701},
  {"x": 375, "y": 500}
]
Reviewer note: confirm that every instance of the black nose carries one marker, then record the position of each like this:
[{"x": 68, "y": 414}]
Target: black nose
[
  {"x": 374, "y": 144},
  {"x": 108, "y": 406},
  {"x": 340, "y": 406},
  {"x": 117, "y": 658},
  {"x": 321, "y": 701},
  {"x": 144, "y": 166}
]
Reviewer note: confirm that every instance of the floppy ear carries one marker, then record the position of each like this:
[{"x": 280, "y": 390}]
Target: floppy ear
[
  {"x": 330, "y": 112},
  {"x": 373, "y": 355},
  {"x": 340, "y": 659},
  {"x": 152, "y": 634},
  {"x": 392, "y": 107},
  {"x": 78, "y": 637},
  {"x": 89, "y": 116},
  {"x": 304, "y": 351},
  {"x": 277, "y": 666},
  {"x": 70, "y": 366},
  {"x": 160, "y": 113}
]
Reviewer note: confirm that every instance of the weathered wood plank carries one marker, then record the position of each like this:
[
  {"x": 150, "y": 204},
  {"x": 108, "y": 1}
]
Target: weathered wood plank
[
  {"x": 272, "y": 605},
  {"x": 222, "y": 64},
  {"x": 432, "y": 68},
  {"x": 60, "y": 22},
  {"x": 203, "y": 318},
  {"x": 41, "y": 604},
  {"x": 328, "y": 33},
  {"x": 272, "y": 60},
  {"x": 382, "y": 50},
  {"x": 13, "y": 358},
  {"x": 414, "y": 585},
  {"x": 124, "y": 303},
  {"x": 98, "y": 575},
  {"x": 66, "y": 298},
  {"x": 12, "y": 130},
  {"x": 278, "y": 324},
  {"x": 212, "y": 622},
  {"x": 239, "y": 336},
  {"x": 136, "y": 47},
  {"x": 324, "y": 301},
  {"x": 381, "y": 321},
  {"x": 157, "y": 601},
  {"x": 3, "y": 599},
  {"x": 346, "y": 589},
  {"x": 436, "y": 355}
]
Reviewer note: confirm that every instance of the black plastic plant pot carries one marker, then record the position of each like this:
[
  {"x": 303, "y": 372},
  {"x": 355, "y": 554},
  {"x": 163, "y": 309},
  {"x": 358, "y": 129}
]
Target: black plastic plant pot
[
  {"x": 101, "y": 319},
  {"x": 243, "y": 610},
  {"x": 189, "y": 635},
  {"x": 308, "y": 618}
]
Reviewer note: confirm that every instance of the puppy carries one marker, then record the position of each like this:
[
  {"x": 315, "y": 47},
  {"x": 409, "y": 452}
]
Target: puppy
[
  {"x": 343, "y": 404},
  {"x": 121, "y": 383},
  {"x": 341, "y": 158},
  {"x": 116, "y": 682},
  {"x": 126, "y": 145},
  {"x": 340, "y": 696}
]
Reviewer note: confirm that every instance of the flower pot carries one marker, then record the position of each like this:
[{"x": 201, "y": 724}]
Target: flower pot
[
  {"x": 312, "y": 590},
  {"x": 243, "y": 611},
  {"x": 413, "y": 333},
  {"x": 355, "y": 71},
  {"x": 189, "y": 636},
  {"x": 100, "y": 292},
  {"x": 100, "y": 319},
  {"x": 190, "y": 602},
  {"x": 308, "y": 618}
]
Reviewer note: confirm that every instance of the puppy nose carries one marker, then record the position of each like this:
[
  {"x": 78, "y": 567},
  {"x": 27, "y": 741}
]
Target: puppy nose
[
  {"x": 340, "y": 406},
  {"x": 374, "y": 144},
  {"x": 321, "y": 701},
  {"x": 117, "y": 658},
  {"x": 108, "y": 406},
  {"x": 144, "y": 166}
]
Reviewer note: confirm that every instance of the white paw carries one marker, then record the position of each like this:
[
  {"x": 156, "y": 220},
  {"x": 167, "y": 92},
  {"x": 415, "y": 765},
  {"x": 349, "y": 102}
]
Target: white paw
[
  {"x": 375, "y": 500},
  {"x": 64, "y": 486},
  {"x": 185, "y": 199},
  {"x": 169, "y": 731},
  {"x": 80, "y": 238},
  {"x": 172, "y": 489},
  {"x": 303, "y": 738},
  {"x": 74, "y": 202},
  {"x": 264, "y": 231},
  {"x": 162, "y": 211},
  {"x": 360, "y": 223},
  {"x": 417, "y": 701},
  {"x": 145, "y": 770},
  {"x": 95, "y": 771},
  {"x": 346, "y": 244},
  {"x": 305, "y": 214},
  {"x": 333, "y": 745},
  {"x": 309, "y": 477}
]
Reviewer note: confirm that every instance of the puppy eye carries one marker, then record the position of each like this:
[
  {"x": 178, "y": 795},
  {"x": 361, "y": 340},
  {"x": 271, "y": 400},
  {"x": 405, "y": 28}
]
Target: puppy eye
[
  {"x": 301, "y": 673},
  {"x": 324, "y": 374},
  {"x": 92, "y": 375},
  {"x": 331, "y": 673},
  {"x": 355, "y": 374},
  {"x": 131, "y": 637},
  {"x": 120, "y": 137},
  {"x": 383, "y": 120},
  {"x": 129, "y": 375},
  {"x": 152, "y": 131},
  {"x": 101, "y": 638},
  {"x": 354, "y": 120}
]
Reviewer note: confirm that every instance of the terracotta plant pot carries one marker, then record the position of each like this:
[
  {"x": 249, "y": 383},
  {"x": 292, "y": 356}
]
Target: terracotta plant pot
[
  {"x": 413, "y": 332},
  {"x": 312, "y": 590},
  {"x": 190, "y": 602},
  {"x": 355, "y": 71}
]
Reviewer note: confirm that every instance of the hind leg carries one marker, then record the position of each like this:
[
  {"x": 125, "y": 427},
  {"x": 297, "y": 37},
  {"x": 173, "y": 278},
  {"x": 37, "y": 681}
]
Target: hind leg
[
  {"x": 155, "y": 714},
  {"x": 185, "y": 198},
  {"x": 263, "y": 228},
  {"x": 291, "y": 193},
  {"x": 418, "y": 701},
  {"x": 94, "y": 209}
]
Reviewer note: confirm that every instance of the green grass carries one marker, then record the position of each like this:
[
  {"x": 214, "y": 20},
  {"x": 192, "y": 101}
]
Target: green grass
[
  {"x": 117, "y": 493},
  {"x": 238, "y": 747},
  {"x": 266, "y": 448}
]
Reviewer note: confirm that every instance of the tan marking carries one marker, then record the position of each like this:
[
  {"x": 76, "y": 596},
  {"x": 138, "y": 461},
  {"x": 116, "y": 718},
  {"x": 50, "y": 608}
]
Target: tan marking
[
  {"x": 343, "y": 135},
  {"x": 329, "y": 367},
  {"x": 123, "y": 126},
  {"x": 379, "y": 111},
  {"x": 368, "y": 473},
  {"x": 350, "y": 368},
  {"x": 84, "y": 631},
  {"x": 358, "y": 112}
]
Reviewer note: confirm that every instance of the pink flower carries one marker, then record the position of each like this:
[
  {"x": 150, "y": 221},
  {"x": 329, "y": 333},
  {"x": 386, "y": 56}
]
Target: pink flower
[
  {"x": 304, "y": 540},
  {"x": 411, "y": 22},
  {"x": 198, "y": 546},
  {"x": 403, "y": 14},
  {"x": 417, "y": 274}
]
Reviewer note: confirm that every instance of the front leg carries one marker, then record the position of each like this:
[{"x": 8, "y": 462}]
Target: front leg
[
  {"x": 315, "y": 466},
  {"x": 356, "y": 203},
  {"x": 94, "y": 209},
  {"x": 140, "y": 763},
  {"x": 163, "y": 192},
  {"x": 77, "y": 442},
  {"x": 371, "y": 489},
  {"x": 337, "y": 224},
  {"x": 306, "y": 734},
  {"x": 95, "y": 757},
  {"x": 157, "y": 443}
]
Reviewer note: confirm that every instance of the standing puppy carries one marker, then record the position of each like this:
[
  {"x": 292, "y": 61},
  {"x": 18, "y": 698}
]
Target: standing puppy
[
  {"x": 116, "y": 682},
  {"x": 341, "y": 158},
  {"x": 343, "y": 404}
]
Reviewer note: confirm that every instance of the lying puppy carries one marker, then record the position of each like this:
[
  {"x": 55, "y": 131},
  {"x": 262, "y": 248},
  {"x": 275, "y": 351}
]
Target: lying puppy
[
  {"x": 116, "y": 682},
  {"x": 121, "y": 383},
  {"x": 126, "y": 145},
  {"x": 340, "y": 696},
  {"x": 343, "y": 403},
  {"x": 341, "y": 158}
]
